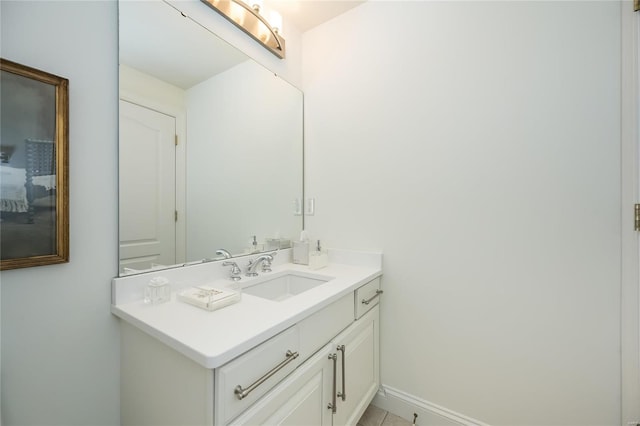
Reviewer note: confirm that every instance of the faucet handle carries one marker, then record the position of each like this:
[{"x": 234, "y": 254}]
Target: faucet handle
[
  {"x": 251, "y": 268},
  {"x": 266, "y": 263},
  {"x": 235, "y": 270}
]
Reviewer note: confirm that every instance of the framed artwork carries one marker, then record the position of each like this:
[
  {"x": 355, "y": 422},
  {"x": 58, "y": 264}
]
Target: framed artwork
[{"x": 34, "y": 167}]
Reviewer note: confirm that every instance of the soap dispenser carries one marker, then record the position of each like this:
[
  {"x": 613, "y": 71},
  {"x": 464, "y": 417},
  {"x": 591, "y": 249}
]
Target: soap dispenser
[
  {"x": 255, "y": 247},
  {"x": 318, "y": 258}
]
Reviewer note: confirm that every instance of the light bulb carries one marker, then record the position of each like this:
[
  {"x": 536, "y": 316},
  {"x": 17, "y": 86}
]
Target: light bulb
[
  {"x": 255, "y": 5},
  {"x": 275, "y": 19}
]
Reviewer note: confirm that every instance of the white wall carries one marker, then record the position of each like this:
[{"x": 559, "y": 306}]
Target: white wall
[
  {"x": 477, "y": 145},
  {"x": 137, "y": 86},
  {"x": 60, "y": 344}
]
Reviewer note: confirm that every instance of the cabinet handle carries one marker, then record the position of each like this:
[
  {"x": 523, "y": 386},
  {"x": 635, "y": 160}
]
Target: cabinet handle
[
  {"x": 243, "y": 393},
  {"x": 343, "y": 394},
  {"x": 369, "y": 300},
  {"x": 332, "y": 405}
]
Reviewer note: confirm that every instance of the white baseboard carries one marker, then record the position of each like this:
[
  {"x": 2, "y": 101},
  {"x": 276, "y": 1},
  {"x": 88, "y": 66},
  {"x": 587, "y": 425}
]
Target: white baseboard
[{"x": 429, "y": 414}]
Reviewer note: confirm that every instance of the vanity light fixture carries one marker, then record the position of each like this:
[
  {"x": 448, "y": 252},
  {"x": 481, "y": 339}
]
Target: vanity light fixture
[{"x": 247, "y": 17}]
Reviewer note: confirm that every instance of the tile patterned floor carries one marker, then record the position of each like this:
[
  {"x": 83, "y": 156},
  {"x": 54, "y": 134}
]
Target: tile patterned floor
[{"x": 374, "y": 416}]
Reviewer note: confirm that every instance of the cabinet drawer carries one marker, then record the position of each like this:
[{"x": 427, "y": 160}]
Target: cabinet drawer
[
  {"x": 319, "y": 328},
  {"x": 300, "y": 399},
  {"x": 367, "y": 297},
  {"x": 241, "y": 382}
]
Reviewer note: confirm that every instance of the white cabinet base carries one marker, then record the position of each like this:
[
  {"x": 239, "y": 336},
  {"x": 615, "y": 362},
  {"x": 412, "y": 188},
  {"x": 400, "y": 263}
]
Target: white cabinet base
[{"x": 159, "y": 386}]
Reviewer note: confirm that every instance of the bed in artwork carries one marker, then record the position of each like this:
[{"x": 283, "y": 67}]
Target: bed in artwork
[{"x": 22, "y": 189}]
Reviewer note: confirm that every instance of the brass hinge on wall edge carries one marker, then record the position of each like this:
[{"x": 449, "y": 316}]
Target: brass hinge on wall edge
[
  {"x": 636, "y": 5},
  {"x": 636, "y": 221}
]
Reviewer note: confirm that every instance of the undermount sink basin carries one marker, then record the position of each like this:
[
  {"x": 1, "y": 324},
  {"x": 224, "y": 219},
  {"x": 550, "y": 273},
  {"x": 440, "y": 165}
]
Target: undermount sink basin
[{"x": 285, "y": 285}]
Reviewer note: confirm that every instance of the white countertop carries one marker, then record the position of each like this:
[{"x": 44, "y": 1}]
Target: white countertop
[{"x": 212, "y": 338}]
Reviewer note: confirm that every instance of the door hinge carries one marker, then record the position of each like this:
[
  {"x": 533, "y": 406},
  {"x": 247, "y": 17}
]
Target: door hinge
[
  {"x": 636, "y": 5},
  {"x": 176, "y": 139},
  {"x": 636, "y": 221},
  {"x": 176, "y": 216}
]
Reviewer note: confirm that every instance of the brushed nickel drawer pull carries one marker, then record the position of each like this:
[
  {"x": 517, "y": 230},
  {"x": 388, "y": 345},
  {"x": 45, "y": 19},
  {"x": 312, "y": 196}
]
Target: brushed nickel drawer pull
[
  {"x": 243, "y": 393},
  {"x": 343, "y": 394},
  {"x": 369, "y": 300},
  {"x": 333, "y": 405}
]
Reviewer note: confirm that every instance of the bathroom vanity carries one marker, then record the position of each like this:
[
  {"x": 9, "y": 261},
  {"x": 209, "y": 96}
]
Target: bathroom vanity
[{"x": 301, "y": 347}]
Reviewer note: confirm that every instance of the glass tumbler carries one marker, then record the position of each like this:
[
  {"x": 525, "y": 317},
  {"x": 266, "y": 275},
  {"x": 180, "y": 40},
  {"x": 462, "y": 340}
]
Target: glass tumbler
[{"x": 157, "y": 291}]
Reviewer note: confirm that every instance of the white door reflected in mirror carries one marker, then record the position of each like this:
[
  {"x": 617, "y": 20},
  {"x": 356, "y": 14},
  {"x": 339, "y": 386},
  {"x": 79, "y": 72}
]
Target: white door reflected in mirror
[{"x": 147, "y": 187}]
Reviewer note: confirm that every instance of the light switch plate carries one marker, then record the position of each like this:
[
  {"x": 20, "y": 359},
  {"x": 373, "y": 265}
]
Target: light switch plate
[{"x": 309, "y": 206}]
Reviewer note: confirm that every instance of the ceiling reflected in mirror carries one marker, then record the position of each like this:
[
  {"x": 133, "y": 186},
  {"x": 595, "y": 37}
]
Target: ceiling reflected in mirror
[{"x": 173, "y": 50}]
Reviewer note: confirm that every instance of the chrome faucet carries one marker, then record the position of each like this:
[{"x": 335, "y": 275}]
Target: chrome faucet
[
  {"x": 265, "y": 259},
  {"x": 224, "y": 253}
]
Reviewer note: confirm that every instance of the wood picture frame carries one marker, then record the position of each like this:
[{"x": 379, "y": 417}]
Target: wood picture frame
[{"x": 34, "y": 167}]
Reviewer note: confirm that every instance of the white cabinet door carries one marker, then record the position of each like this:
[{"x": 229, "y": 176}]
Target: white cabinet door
[
  {"x": 361, "y": 370},
  {"x": 300, "y": 399}
]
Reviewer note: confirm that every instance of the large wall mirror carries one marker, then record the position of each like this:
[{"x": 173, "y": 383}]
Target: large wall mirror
[{"x": 210, "y": 150}]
